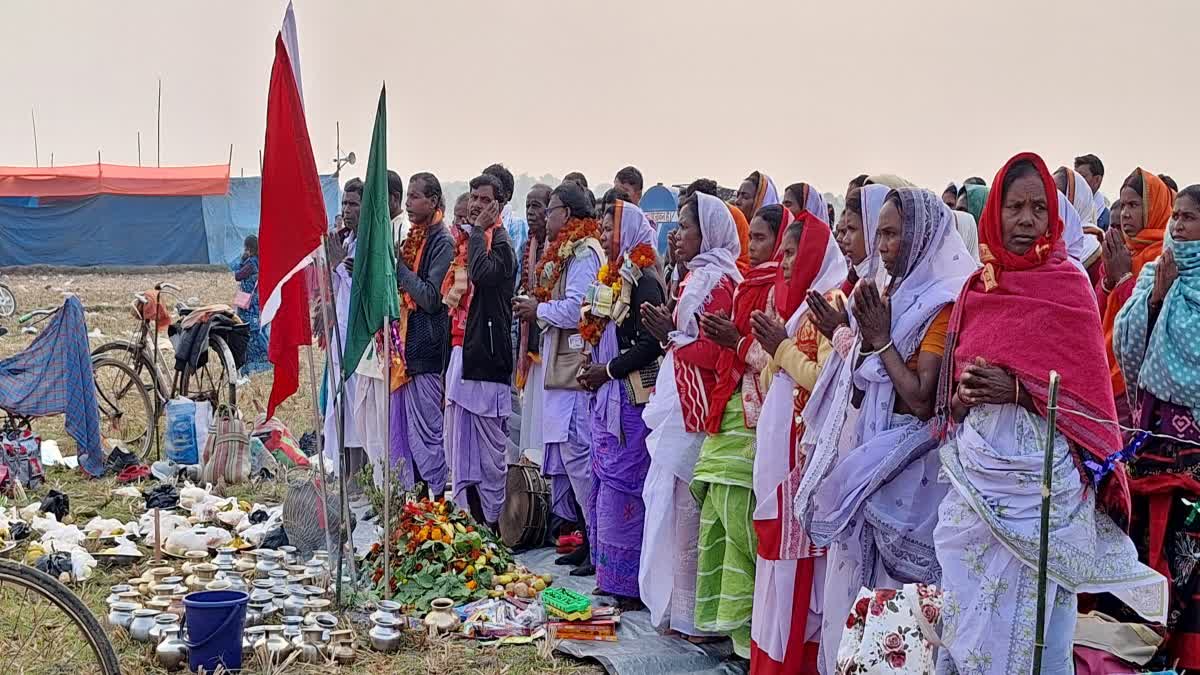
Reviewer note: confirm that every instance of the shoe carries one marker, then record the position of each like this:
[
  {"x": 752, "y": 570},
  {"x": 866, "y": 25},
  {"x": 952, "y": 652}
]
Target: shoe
[{"x": 587, "y": 570}]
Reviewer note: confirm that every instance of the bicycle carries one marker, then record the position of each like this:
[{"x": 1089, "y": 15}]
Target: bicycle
[
  {"x": 47, "y": 628},
  {"x": 126, "y": 414},
  {"x": 8, "y": 302},
  {"x": 213, "y": 378}
]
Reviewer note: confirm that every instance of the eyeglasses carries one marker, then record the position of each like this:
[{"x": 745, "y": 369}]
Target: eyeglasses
[{"x": 551, "y": 209}]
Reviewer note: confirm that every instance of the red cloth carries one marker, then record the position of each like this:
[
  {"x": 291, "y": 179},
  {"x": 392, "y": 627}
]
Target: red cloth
[
  {"x": 800, "y": 657},
  {"x": 1032, "y": 313},
  {"x": 292, "y": 222},
  {"x": 751, "y": 296},
  {"x": 696, "y": 364}
]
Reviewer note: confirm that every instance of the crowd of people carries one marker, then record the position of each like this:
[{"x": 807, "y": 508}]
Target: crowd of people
[{"x": 780, "y": 411}]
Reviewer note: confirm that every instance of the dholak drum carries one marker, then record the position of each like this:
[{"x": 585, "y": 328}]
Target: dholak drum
[{"x": 526, "y": 515}]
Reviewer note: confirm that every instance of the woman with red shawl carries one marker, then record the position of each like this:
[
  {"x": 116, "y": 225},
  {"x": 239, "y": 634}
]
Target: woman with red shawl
[
  {"x": 1027, "y": 311},
  {"x": 1146, "y": 203},
  {"x": 786, "y": 618}
]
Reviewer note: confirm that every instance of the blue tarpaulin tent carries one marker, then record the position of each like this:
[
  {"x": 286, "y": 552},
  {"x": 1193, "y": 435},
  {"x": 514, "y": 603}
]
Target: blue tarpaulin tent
[{"x": 121, "y": 229}]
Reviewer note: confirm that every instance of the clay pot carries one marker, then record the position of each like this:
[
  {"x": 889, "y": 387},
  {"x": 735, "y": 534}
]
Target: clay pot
[
  {"x": 191, "y": 558},
  {"x": 202, "y": 575}
]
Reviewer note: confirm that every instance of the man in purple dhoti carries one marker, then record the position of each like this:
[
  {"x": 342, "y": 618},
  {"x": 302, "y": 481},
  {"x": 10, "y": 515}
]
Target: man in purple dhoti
[
  {"x": 566, "y": 270},
  {"x": 616, "y": 512},
  {"x": 415, "y": 430},
  {"x": 478, "y": 291}
]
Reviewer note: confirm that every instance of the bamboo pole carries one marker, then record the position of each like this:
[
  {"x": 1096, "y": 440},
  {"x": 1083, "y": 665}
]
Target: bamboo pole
[
  {"x": 387, "y": 454},
  {"x": 329, "y": 318},
  {"x": 1044, "y": 545},
  {"x": 323, "y": 516}
]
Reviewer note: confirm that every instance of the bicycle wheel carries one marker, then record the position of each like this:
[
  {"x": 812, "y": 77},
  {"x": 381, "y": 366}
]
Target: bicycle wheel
[
  {"x": 126, "y": 413},
  {"x": 46, "y": 629},
  {"x": 214, "y": 380},
  {"x": 131, "y": 355},
  {"x": 8, "y": 302}
]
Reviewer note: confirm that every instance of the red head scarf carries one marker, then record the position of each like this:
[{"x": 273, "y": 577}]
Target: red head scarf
[
  {"x": 1032, "y": 313},
  {"x": 810, "y": 256},
  {"x": 751, "y": 296},
  {"x": 1145, "y": 247}
]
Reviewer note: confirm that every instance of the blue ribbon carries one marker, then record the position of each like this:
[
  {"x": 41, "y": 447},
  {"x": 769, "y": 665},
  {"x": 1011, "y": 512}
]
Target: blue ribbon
[{"x": 1126, "y": 454}]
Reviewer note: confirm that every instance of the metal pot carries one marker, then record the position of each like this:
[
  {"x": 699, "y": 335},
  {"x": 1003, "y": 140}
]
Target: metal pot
[
  {"x": 171, "y": 652},
  {"x": 310, "y": 644},
  {"x": 161, "y": 623},
  {"x": 341, "y": 647},
  {"x": 277, "y": 646},
  {"x": 251, "y": 637},
  {"x": 296, "y": 602},
  {"x": 384, "y": 635},
  {"x": 139, "y": 627},
  {"x": 121, "y": 614}
]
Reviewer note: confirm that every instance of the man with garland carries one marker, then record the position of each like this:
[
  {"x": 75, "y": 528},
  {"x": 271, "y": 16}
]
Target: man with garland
[
  {"x": 569, "y": 265},
  {"x": 478, "y": 290},
  {"x": 422, "y": 260}
]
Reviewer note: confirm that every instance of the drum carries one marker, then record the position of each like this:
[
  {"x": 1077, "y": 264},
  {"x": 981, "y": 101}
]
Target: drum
[{"x": 526, "y": 515}]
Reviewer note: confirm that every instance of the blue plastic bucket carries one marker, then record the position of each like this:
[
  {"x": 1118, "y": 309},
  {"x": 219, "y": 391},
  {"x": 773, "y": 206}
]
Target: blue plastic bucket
[{"x": 215, "y": 620}]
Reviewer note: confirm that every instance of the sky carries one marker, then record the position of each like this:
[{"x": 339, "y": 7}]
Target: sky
[{"x": 934, "y": 90}]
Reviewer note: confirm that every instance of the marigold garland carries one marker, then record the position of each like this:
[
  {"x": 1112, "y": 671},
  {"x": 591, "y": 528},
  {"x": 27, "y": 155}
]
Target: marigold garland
[
  {"x": 591, "y": 327},
  {"x": 558, "y": 251}
]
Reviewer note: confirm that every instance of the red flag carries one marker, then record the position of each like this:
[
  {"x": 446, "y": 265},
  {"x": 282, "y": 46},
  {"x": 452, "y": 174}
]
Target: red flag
[{"x": 293, "y": 220}]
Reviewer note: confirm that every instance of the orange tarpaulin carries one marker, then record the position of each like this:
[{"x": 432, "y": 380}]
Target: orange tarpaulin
[{"x": 113, "y": 179}]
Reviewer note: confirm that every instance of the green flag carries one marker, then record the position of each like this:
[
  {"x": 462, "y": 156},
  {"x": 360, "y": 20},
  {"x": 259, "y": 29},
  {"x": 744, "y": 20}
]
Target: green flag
[{"x": 373, "y": 294}]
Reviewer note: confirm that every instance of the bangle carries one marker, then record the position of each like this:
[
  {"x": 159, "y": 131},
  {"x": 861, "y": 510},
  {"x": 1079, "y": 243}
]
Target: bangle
[
  {"x": 607, "y": 371},
  {"x": 877, "y": 351},
  {"x": 1017, "y": 395}
]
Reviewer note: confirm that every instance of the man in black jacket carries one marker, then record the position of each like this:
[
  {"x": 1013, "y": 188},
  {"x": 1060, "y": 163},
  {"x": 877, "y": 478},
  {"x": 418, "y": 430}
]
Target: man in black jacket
[
  {"x": 422, "y": 260},
  {"x": 479, "y": 291}
]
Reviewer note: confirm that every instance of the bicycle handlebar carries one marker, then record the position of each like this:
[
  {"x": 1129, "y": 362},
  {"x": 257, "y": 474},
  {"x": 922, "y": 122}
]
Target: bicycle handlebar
[
  {"x": 37, "y": 313},
  {"x": 164, "y": 286}
]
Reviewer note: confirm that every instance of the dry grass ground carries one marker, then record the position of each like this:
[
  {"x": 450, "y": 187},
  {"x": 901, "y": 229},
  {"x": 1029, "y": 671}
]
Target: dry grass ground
[{"x": 106, "y": 299}]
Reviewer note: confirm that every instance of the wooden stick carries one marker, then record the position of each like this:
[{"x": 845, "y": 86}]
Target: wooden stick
[
  {"x": 1044, "y": 545},
  {"x": 157, "y": 536}
]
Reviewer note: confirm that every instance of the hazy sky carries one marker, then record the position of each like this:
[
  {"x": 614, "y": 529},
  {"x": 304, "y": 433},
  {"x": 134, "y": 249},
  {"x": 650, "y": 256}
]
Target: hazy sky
[{"x": 820, "y": 91}]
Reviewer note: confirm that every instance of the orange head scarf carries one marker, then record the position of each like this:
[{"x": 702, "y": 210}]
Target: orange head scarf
[
  {"x": 743, "y": 234},
  {"x": 1144, "y": 247}
]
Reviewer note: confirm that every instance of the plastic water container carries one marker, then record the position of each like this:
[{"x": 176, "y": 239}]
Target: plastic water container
[
  {"x": 215, "y": 622},
  {"x": 181, "y": 444}
]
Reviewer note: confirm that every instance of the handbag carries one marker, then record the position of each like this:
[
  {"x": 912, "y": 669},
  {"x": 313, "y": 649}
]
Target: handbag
[
  {"x": 226, "y": 456},
  {"x": 21, "y": 460},
  {"x": 890, "y": 632},
  {"x": 566, "y": 360},
  {"x": 241, "y": 299}
]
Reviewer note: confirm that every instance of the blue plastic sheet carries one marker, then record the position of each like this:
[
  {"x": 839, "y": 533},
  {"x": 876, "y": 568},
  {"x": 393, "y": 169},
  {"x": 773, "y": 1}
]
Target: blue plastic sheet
[
  {"x": 230, "y": 218},
  {"x": 104, "y": 230}
]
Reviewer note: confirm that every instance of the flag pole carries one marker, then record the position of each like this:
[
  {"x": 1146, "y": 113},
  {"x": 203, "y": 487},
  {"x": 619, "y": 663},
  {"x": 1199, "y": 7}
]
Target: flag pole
[
  {"x": 387, "y": 455},
  {"x": 1039, "y": 642},
  {"x": 323, "y": 516},
  {"x": 325, "y": 280}
]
